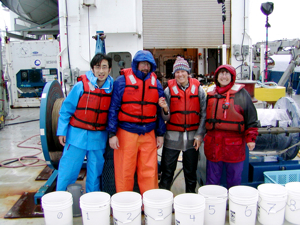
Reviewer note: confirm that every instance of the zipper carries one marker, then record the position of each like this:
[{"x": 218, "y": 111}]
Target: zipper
[{"x": 143, "y": 95}]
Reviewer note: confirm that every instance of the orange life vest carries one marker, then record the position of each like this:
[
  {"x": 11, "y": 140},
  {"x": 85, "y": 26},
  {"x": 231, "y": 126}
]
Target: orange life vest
[
  {"x": 140, "y": 98},
  {"x": 216, "y": 107},
  {"x": 184, "y": 106},
  {"x": 92, "y": 108}
]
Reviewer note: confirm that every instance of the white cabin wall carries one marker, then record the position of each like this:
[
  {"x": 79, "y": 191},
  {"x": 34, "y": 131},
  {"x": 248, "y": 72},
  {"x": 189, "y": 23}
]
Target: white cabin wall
[
  {"x": 238, "y": 22},
  {"x": 120, "y": 20}
]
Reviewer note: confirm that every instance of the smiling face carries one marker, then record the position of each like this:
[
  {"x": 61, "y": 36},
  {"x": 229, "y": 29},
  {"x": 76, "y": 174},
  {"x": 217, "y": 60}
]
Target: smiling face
[
  {"x": 101, "y": 70},
  {"x": 224, "y": 77},
  {"x": 181, "y": 77}
]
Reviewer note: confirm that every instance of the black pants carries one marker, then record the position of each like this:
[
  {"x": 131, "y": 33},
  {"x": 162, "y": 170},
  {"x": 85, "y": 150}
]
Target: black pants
[{"x": 168, "y": 167}]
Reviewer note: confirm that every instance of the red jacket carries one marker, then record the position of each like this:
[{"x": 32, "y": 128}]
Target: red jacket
[
  {"x": 184, "y": 106},
  {"x": 92, "y": 108},
  {"x": 140, "y": 98}
]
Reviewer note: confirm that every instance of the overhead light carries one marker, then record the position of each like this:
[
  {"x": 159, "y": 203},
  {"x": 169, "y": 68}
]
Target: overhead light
[{"x": 267, "y": 8}]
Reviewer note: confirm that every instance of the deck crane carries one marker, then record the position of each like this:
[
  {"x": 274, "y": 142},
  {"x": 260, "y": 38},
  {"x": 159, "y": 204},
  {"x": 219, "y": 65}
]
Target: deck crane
[{"x": 280, "y": 47}]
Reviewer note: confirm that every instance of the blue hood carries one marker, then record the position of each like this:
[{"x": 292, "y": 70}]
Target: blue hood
[{"x": 141, "y": 56}]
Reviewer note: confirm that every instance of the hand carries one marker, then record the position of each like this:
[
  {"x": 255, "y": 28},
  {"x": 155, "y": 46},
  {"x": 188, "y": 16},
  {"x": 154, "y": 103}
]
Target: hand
[
  {"x": 251, "y": 145},
  {"x": 159, "y": 141},
  {"x": 197, "y": 144},
  {"x": 114, "y": 142},
  {"x": 163, "y": 104},
  {"x": 62, "y": 140}
]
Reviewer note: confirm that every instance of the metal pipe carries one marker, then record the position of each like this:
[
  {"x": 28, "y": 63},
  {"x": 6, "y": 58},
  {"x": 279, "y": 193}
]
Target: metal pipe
[{"x": 278, "y": 130}]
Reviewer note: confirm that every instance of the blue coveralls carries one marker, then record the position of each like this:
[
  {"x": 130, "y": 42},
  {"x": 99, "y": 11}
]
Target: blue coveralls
[{"x": 80, "y": 142}]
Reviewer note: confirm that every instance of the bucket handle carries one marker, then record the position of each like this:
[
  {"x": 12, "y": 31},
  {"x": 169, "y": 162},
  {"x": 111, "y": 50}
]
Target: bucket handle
[
  {"x": 218, "y": 197},
  {"x": 128, "y": 221},
  {"x": 158, "y": 219}
]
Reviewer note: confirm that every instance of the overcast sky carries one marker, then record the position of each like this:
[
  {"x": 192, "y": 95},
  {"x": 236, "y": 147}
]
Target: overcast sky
[{"x": 284, "y": 20}]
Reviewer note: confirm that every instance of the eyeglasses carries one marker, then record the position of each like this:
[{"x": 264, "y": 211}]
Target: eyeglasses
[
  {"x": 144, "y": 64},
  {"x": 99, "y": 67},
  {"x": 224, "y": 73}
]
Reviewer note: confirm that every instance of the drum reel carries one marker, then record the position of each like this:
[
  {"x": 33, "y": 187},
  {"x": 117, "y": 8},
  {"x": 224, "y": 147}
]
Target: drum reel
[{"x": 51, "y": 101}]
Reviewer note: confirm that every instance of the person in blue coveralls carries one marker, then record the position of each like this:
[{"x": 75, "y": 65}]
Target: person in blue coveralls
[{"x": 82, "y": 125}]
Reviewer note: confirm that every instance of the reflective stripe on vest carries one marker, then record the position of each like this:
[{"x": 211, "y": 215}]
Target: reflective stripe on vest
[
  {"x": 140, "y": 98},
  {"x": 184, "y": 106}
]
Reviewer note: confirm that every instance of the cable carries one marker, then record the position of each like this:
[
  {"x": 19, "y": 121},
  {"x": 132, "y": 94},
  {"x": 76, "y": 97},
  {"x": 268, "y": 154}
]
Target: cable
[
  {"x": 31, "y": 157},
  {"x": 14, "y": 118},
  {"x": 175, "y": 177},
  {"x": 22, "y": 122}
]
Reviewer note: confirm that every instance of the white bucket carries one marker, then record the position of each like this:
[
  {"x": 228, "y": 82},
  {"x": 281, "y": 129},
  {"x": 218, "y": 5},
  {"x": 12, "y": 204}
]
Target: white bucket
[
  {"x": 95, "y": 207},
  {"x": 271, "y": 203},
  {"x": 126, "y": 207},
  {"x": 189, "y": 209},
  {"x": 158, "y": 207},
  {"x": 57, "y": 208},
  {"x": 292, "y": 209},
  {"x": 242, "y": 205},
  {"x": 215, "y": 201}
]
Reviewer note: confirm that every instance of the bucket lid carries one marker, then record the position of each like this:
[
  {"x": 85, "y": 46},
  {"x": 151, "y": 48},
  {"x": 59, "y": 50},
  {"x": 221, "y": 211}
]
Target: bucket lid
[
  {"x": 126, "y": 199},
  {"x": 293, "y": 188},
  {"x": 57, "y": 197},
  {"x": 270, "y": 189},
  {"x": 189, "y": 200},
  {"x": 95, "y": 198},
  {"x": 158, "y": 196},
  {"x": 243, "y": 191},
  {"x": 215, "y": 191}
]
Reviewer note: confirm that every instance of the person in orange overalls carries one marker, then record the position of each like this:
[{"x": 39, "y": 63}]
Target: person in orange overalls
[{"x": 135, "y": 125}]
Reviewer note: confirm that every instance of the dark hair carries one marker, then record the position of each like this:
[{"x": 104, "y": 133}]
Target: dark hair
[{"x": 97, "y": 59}]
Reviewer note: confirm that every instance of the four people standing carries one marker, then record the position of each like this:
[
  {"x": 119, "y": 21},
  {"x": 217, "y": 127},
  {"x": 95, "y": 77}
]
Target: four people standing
[{"x": 133, "y": 115}]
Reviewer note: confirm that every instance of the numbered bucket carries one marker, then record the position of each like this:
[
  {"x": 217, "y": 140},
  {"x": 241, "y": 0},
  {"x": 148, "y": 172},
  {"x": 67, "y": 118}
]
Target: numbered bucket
[
  {"x": 271, "y": 203},
  {"x": 57, "y": 208},
  {"x": 215, "y": 201},
  {"x": 126, "y": 208},
  {"x": 189, "y": 209},
  {"x": 158, "y": 206},
  {"x": 242, "y": 205},
  {"x": 292, "y": 209},
  {"x": 95, "y": 207}
]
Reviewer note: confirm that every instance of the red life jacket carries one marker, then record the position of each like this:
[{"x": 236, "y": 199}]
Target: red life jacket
[
  {"x": 140, "y": 98},
  {"x": 184, "y": 106},
  {"x": 215, "y": 119},
  {"x": 92, "y": 108}
]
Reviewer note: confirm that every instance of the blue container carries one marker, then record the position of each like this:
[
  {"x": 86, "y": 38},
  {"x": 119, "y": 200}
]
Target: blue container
[
  {"x": 282, "y": 177},
  {"x": 294, "y": 77}
]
